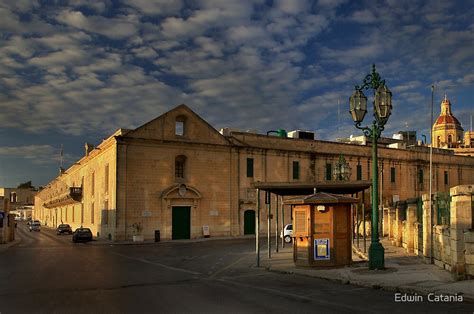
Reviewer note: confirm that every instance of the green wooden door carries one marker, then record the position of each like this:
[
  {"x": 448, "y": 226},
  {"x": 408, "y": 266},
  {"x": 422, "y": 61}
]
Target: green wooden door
[
  {"x": 181, "y": 222},
  {"x": 249, "y": 222}
]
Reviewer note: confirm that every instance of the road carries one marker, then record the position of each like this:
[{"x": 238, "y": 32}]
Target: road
[{"x": 48, "y": 273}]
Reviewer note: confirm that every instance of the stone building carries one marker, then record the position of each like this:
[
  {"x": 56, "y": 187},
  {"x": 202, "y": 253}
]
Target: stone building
[
  {"x": 18, "y": 197},
  {"x": 177, "y": 174}
]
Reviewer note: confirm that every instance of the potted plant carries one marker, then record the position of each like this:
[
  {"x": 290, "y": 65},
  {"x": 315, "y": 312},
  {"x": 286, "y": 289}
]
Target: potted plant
[{"x": 137, "y": 232}]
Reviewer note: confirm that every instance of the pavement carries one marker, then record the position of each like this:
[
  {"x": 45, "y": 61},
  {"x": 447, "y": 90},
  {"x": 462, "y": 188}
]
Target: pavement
[{"x": 404, "y": 272}]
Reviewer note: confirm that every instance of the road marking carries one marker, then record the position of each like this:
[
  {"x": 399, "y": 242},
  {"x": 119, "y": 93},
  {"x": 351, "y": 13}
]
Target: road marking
[
  {"x": 158, "y": 264},
  {"x": 227, "y": 267}
]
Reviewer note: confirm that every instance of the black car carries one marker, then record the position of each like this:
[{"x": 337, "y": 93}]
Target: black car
[
  {"x": 82, "y": 235},
  {"x": 64, "y": 228}
]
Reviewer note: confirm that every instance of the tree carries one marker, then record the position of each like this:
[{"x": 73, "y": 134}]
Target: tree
[{"x": 25, "y": 185}]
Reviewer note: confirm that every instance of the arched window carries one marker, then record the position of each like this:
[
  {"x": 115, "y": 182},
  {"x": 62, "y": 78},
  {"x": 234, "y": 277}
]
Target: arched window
[
  {"x": 179, "y": 166},
  {"x": 438, "y": 141},
  {"x": 180, "y": 125},
  {"x": 450, "y": 140}
]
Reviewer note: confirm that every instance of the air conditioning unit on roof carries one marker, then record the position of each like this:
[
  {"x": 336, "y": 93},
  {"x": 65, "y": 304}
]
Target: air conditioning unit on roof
[{"x": 307, "y": 135}]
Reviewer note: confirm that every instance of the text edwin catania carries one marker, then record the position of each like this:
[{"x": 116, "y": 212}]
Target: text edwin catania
[{"x": 431, "y": 297}]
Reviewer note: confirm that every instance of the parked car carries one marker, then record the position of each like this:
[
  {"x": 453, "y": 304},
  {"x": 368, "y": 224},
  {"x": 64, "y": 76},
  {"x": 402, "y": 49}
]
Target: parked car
[
  {"x": 64, "y": 228},
  {"x": 82, "y": 235},
  {"x": 287, "y": 233},
  {"x": 35, "y": 226}
]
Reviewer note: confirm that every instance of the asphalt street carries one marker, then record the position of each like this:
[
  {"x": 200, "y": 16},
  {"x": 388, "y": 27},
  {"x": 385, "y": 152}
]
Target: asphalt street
[{"x": 47, "y": 273}]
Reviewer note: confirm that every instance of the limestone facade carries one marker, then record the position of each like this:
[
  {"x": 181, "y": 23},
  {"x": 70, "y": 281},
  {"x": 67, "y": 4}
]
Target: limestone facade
[{"x": 178, "y": 172}]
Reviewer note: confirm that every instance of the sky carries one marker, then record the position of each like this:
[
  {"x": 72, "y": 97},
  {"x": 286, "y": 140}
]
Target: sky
[{"x": 75, "y": 71}]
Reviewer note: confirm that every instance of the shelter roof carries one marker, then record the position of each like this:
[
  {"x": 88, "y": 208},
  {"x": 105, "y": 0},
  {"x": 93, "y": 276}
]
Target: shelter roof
[
  {"x": 298, "y": 188},
  {"x": 321, "y": 198}
]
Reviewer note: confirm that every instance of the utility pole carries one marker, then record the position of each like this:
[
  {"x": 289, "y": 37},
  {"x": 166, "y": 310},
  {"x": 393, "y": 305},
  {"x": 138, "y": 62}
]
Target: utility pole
[{"x": 431, "y": 176}]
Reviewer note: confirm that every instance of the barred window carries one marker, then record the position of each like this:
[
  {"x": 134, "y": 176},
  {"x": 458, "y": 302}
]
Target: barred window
[
  {"x": 359, "y": 172},
  {"x": 179, "y": 166}
]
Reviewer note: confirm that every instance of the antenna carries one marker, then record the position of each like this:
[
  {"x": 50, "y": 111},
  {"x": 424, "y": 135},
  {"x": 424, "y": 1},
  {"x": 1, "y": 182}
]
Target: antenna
[
  {"x": 338, "y": 115},
  {"x": 61, "y": 156}
]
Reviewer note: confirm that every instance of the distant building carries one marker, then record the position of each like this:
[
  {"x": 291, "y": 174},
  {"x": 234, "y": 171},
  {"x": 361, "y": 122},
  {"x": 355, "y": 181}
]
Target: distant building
[
  {"x": 18, "y": 198},
  {"x": 179, "y": 175},
  {"x": 447, "y": 130}
]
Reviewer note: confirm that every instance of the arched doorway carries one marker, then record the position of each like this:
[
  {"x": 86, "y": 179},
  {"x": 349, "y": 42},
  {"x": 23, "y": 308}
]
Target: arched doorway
[{"x": 249, "y": 222}]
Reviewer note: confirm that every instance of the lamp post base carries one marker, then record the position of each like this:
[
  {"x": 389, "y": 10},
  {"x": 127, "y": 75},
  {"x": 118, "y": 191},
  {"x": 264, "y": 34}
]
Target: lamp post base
[{"x": 376, "y": 256}]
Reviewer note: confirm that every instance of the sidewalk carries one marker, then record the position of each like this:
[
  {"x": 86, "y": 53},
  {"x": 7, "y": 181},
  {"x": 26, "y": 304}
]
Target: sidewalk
[
  {"x": 404, "y": 273},
  {"x": 5, "y": 246}
]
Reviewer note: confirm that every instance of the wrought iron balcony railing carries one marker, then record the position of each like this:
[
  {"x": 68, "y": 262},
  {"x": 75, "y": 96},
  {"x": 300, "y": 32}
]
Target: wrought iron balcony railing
[{"x": 70, "y": 196}]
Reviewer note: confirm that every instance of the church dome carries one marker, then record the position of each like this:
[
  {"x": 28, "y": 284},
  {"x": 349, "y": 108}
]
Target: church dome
[{"x": 446, "y": 116}]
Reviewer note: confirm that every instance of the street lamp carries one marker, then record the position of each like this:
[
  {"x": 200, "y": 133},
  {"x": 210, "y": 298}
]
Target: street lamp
[
  {"x": 382, "y": 108},
  {"x": 342, "y": 170}
]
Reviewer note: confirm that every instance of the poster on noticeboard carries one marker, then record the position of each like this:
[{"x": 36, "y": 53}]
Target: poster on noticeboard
[{"x": 321, "y": 249}]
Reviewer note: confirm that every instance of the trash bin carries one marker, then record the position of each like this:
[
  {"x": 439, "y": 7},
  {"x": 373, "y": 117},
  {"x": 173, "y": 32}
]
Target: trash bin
[{"x": 157, "y": 235}]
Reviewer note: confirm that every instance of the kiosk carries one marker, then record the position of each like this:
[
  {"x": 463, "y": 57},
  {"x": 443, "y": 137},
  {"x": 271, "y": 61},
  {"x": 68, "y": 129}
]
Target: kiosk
[{"x": 322, "y": 230}]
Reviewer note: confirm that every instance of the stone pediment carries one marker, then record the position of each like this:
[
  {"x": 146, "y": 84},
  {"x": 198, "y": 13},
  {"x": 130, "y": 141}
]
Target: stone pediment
[
  {"x": 192, "y": 129},
  {"x": 181, "y": 191}
]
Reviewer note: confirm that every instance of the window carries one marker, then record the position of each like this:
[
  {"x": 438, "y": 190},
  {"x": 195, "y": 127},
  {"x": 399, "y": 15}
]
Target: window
[
  {"x": 359, "y": 172},
  {"x": 92, "y": 213},
  {"x": 296, "y": 170},
  {"x": 13, "y": 197},
  {"x": 179, "y": 165},
  {"x": 438, "y": 140},
  {"x": 179, "y": 125},
  {"x": 106, "y": 187},
  {"x": 328, "y": 171},
  {"x": 445, "y": 178},
  {"x": 450, "y": 139},
  {"x": 392, "y": 175},
  {"x": 249, "y": 167},
  {"x": 73, "y": 212},
  {"x": 92, "y": 183},
  {"x": 420, "y": 176}
]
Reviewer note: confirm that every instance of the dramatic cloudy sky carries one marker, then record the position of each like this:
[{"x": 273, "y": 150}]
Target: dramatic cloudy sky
[{"x": 73, "y": 71}]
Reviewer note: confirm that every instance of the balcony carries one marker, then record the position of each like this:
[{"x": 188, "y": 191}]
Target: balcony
[{"x": 70, "y": 196}]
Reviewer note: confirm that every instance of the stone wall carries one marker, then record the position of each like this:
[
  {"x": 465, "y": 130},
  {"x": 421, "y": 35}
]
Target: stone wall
[
  {"x": 469, "y": 252},
  {"x": 462, "y": 248},
  {"x": 442, "y": 246},
  {"x": 452, "y": 245}
]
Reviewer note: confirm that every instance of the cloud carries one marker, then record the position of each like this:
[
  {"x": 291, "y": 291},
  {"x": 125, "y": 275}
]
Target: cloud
[
  {"x": 37, "y": 154},
  {"x": 363, "y": 17},
  {"x": 117, "y": 28},
  {"x": 155, "y": 7}
]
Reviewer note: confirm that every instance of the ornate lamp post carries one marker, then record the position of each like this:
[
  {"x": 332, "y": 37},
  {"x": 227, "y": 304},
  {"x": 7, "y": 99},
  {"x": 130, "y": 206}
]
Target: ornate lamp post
[
  {"x": 382, "y": 108},
  {"x": 342, "y": 170}
]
